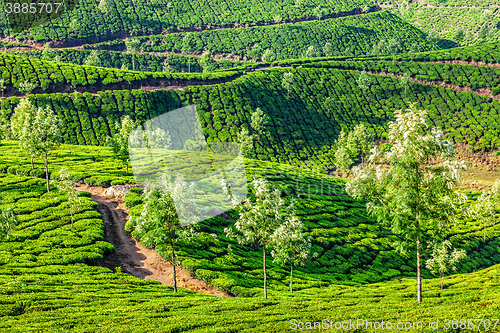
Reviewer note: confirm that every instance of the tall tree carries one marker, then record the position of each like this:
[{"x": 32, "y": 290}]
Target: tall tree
[
  {"x": 287, "y": 82},
  {"x": 119, "y": 141},
  {"x": 310, "y": 52},
  {"x": 67, "y": 186},
  {"x": 255, "y": 52},
  {"x": 442, "y": 261},
  {"x": 47, "y": 52},
  {"x": 165, "y": 202},
  {"x": 22, "y": 123},
  {"x": 486, "y": 207},
  {"x": 319, "y": 12},
  {"x": 459, "y": 35},
  {"x": 392, "y": 48},
  {"x": 189, "y": 46},
  {"x": 404, "y": 81},
  {"x": 410, "y": 186},
  {"x": 290, "y": 246},
  {"x": 246, "y": 142},
  {"x": 207, "y": 62},
  {"x": 93, "y": 59},
  {"x": 258, "y": 218},
  {"x": 133, "y": 46},
  {"x": 328, "y": 49},
  {"x": 364, "y": 80},
  {"x": 433, "y": 37},
  {"x": 268, "y": 56},
  {"x": 2, "y": 85},
  {"x": 46, "y": 135},
  {"x": 105, "y": 6},
  {"x": 259, "y": 120},
  {"x": 403, "y": 8}
]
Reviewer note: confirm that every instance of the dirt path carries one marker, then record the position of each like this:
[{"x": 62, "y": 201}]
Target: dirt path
[{"x": 131, "y": 255}]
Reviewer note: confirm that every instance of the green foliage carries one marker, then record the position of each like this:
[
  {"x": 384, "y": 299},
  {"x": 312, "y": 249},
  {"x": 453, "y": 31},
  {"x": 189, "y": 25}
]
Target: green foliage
[
  {"x": 441, "y": 261},
  {"x": 413, "y": 195},
  {"x": 290, "y": 40},
  {"x": 67, "y": 187},
  {"x": 119, "y": 142}
]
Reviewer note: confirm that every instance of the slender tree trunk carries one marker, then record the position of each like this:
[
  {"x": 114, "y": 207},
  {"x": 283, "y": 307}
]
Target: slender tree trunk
[
  {"x": 265, "y": 276},
  {"x": 291, "y": 275},
  {"x": 127, "y": 166},
  {"x": 47, "y": 172},
  {"x": 32, "y": 167},
  {"x": 442, "y": 281},
  {"x": 173, "y": 265},
  {"x": 485, "y": 232},
  {"x": 189, "y": 64},
  {"x": 419, "y": 273}
]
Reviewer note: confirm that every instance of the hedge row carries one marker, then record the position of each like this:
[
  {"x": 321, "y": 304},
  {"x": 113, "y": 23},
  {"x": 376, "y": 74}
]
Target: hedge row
[
  {"x": 16, "y": 69},
  {"x": 142, "y": 61},
  {"x": 303, "y": 126},
  {"x": 354, "y": 35},
  {"x": 146, "y": 17}
]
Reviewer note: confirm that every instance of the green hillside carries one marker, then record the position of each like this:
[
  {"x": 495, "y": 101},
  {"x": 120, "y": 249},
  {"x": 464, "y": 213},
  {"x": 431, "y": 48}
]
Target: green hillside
[
  {"x": 353, "y": 35},
  {"x": 86, "y": 20}
]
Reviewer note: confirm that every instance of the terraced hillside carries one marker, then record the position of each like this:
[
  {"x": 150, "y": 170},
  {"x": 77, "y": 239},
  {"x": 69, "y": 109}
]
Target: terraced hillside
[
  {"x": 445, "y": 17},
  {"x": 324, "y": 99}
]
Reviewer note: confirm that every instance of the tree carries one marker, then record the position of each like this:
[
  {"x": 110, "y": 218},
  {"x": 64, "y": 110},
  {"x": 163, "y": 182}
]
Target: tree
[
  {"x": 392, "y": 48},
  {"x": 259, "y": 120},
  {"x": 359, "y": 142},
  {"x": 47, "y": 52},
  {"x": 319, "y": 12},
  {"x": 403, "y": 8},
  {"x": 166, "y": 68},
  {"x": 268, "y": 56},
  {"x": 46, "y": 135},
  {"x": 442, "y": 261},
  {"x": 410, "y": 186},
  {"x": 486, "y": 207},
  {"x": 380, "y": 48},
  {"x": 119, "y": 141},
  {"x": 105, "y": 6},
  {"x": 328, "y": 49},
  {"x": 459, "y": 35},
  {"x": 487, "y": 31},
  {"x": 189, "y": 46},
  {"x": 364, "y": 80},
  {"x": 22, "y": 123},
  {"x": 246, "y": 142},
  {"x": 287, "y": 82},
  {"x": 290, "y": 245},
  {"x": 67, "y": 186},
  {"x": 2, "y": 85},
  {"x": 133, "y": 46},
  {"x": 277, "y": 19},
  {"x": 404, "y": 81},
  {"x": 73, "y": 25},
  {"x": 26, "y": 87},
  {"x": 93, "y": 59},
  {"x": 342, "y": 160},
  {"x": 258, "y": 219},
  {"x": 255, "y": 52},
  {"x": 207, "y": 62},
  {"x": 8, "y": 221},
  {"x": 433, "y": 37},
  {"x": 311, "y": 52},
  {"x": 166, "y": 203}
]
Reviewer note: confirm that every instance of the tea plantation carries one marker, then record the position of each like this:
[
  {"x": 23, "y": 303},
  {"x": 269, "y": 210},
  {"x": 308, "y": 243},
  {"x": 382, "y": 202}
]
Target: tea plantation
[{"x": 314, "y": 69}]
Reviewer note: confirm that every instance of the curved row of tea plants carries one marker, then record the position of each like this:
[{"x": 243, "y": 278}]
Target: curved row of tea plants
[
  {"x": 87, "y": 20},
  {"x": 353, "y": 35},
  {"x": 144, "y": 62}
]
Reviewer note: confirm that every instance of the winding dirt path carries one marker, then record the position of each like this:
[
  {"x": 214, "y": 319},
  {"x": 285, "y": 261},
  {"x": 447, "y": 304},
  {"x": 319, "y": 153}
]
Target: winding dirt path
[{"x": 134, "y": 258}]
